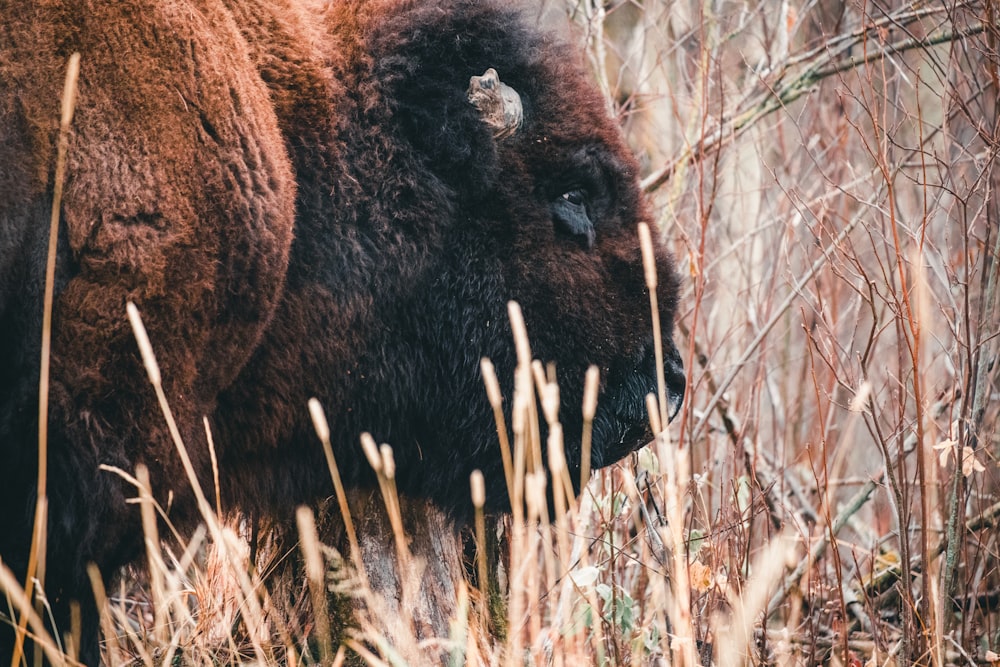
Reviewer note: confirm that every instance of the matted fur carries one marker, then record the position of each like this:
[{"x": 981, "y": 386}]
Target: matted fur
[{"x": 205, "y": 131}]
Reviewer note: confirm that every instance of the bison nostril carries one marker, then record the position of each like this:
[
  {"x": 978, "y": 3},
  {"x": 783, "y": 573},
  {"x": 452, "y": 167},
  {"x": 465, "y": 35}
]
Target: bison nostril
[{"x": 675, "y": 379}]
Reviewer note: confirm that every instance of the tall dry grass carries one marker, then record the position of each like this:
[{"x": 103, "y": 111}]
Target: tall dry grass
[{"x": 826, "y": 173}]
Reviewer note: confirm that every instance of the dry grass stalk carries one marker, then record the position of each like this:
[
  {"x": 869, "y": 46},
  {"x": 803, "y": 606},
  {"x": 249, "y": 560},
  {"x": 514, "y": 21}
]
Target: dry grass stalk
[
  {"x": 316, "y": 575},
  {"x": 495, "y": 398},
  {"x": 36, "y": 557},
  {"x": 153, "y": 555},
  {"x": 590, "y": 386},
  {"x": 254, "y": 616},
  {"x": 478, "y": 490},
  {"x": 323, "y": 431}
]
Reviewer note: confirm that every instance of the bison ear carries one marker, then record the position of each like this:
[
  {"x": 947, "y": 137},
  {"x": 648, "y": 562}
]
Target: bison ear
[{"x": 499, "y": 105}]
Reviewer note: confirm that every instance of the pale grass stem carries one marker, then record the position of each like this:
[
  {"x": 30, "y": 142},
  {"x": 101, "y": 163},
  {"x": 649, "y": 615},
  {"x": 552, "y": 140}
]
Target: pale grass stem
[
  {"x": 518, "y": 550},
  {"x": 107, "y": 624},
  {"x": 675, "y": 463},
  {"x": 562, "y": 494},
  {"x": 382, "y": 461},
  {"x": 157, "y": 567},
  {"x": 654, "y": 414},
  {"x": 681, "y": 579},
  {"x": 538, "y": 374},
  {"x": 938, "y": 574},
  {"x": 677, "y": 477},
  {"x": 374, "y": 458},
  {"x": 525, "y": 400},
  {"x": 523, "y": 378},
  {"x": 316, "y": 576},
  {"x": 478, "y": 491},
  {"x": 558, "y": 475},
  {"x": 392, "y": 505},
  {"x": 520, "y": 332},
  {"x": 384, "y": 465},
  {"x": 536, "y": 528},
  {"x": 549, "y": 392},
  {"x": 519, "y": 425},
  {"x": 75, "y": 632},
  {"x": 322, "y": 428},
  {"x": 550, "y": 402},
  {"x": 736, "y": 639},
  {"x": 527, "y": 464},
  {"x": 254, "y": 614},
  {"x": 19, "y": 598},
  {"x": 215, "y": 465},
  {"x": 496, "y": 402},
  {"x": 591, "y": 384},
  {"x": 649, "y": 268},
  {"x": 36, "y": 556}
]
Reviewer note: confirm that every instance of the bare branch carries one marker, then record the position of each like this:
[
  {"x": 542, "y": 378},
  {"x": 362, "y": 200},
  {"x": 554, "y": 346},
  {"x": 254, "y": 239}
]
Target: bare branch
[{"x": 777, "y": 95}]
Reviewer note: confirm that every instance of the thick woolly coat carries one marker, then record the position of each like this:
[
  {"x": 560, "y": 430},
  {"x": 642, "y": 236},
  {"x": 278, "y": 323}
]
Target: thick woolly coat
[{"x": 302, "y": 202}]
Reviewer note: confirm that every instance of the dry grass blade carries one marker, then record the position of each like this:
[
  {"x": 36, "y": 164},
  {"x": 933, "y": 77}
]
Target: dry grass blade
[
  {"x": 316, "y": 576},
  {"x": 649, "y": 266},
  {"x": 255, "y": 615},
  {"x": 496, "y": 402},
  {"x": 323, "y": 431},
  {"x": 19, "y": 597},
  {"x": 736, "y": 641},
  {"x": 112, "y": 649},
  {"x": 36, "y": 557},
  {"x": 478, "y": 490},
  {"x": 590, "y": 386},
  {"x": 156, "y": 567}
]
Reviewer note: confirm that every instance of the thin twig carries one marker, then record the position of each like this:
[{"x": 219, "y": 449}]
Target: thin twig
[
  {"x": 777, "y": 95},
  {"x": 779, "y": 312},
  {"x": 850, "y": 509}
]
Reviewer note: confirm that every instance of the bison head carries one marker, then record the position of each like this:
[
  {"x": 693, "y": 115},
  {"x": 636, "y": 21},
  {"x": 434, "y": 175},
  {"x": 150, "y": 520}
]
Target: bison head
[{"x": 430, "y": 205}]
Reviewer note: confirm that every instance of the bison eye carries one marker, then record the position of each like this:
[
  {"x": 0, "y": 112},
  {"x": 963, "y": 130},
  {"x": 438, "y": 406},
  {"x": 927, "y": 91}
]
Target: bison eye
[{"x": 571, "y": 217}]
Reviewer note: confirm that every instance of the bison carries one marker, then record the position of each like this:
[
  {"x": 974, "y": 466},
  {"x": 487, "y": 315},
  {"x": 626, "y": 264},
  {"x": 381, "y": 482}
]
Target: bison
[{"x": 302, "y": 200}]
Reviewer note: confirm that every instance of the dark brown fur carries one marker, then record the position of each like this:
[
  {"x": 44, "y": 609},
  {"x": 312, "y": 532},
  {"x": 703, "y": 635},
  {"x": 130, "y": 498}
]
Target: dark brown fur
[{"x": 203, "y": 127}]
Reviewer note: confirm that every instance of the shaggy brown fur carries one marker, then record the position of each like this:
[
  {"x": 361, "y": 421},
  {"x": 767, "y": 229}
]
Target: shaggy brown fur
[{"x": 202, "y": 128}]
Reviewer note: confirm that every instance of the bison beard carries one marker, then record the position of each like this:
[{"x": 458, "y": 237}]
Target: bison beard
[{"x": 205, "y": 131}]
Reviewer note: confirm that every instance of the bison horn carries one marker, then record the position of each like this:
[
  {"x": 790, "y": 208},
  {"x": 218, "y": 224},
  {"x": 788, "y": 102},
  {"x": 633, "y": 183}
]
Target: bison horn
[{"x": 498, "y": 103}]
